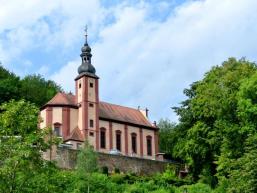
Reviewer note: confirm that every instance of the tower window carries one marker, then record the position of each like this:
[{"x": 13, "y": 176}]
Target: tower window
[
  {"x": 91, "y": 123},
  {"x": 91, "y": 85},
  {"x": 149, "y": 145},
  {"x": 102, "y": 138},
  {"x": 91, "y": 104},
  {"x": 79, "y": 85},
  {"x": 91, "y": 134},
  {"x": 134, "y": 142},
  {"x": 118, "y": 140}
]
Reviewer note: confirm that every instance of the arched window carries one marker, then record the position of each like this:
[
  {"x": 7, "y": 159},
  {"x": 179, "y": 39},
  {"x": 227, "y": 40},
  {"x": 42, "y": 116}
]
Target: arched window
[
  {"x": 149, "y": 145},
  {"x": 134, "y": 142},
  {"x": 118, "y": 140},
  {"x": 57, "y": 129},
  {"x": 103, "y": 138}
]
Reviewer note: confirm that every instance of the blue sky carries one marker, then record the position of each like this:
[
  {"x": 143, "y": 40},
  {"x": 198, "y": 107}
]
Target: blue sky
[{"x": 145, "y": 52}]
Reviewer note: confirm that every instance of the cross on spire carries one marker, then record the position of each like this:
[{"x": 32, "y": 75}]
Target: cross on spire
[{"x": 86, "y": 35}]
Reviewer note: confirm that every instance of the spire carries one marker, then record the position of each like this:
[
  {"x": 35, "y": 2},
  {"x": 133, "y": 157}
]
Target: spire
[
  {"x": 86, "y": 36},
  {"x": 86, "y": 66}
]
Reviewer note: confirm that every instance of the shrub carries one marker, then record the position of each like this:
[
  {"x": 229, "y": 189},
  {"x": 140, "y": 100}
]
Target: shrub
[
  {"x": 195, "y": 188},
  {"x": 116, "y": 170},
  {"x": 164, "y": 190},
  {"x": 105, "y": 170},
  {"x": 117, "y": 178}
]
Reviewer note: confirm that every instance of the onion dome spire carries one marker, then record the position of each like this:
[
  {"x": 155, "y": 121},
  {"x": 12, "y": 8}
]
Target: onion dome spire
[{"x": 86, "y": 66}]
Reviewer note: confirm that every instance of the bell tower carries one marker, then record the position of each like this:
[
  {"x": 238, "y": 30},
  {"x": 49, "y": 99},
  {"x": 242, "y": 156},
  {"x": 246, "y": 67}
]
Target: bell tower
[{"x": 87, "y": 97}]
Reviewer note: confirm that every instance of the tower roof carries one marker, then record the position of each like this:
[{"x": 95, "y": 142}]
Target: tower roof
[{"x": 86, "y": 67}]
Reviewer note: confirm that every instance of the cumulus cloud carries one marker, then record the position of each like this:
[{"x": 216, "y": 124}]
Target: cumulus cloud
[
  {"x": 142, "y": 59},
  {"x": 44, "y": 26},
  {"x": 65, "y": 77}
]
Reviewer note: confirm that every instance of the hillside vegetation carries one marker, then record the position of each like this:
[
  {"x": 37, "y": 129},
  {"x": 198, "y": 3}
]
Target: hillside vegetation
[
  {"x": 33, "y": 88},
  {"x": 216, "y": 134},
  {"x": 216, "y": 137}
]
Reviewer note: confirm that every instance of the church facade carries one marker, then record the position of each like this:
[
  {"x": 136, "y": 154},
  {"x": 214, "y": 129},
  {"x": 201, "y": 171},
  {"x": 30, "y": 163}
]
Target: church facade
[{"x": 109, "y": 128}]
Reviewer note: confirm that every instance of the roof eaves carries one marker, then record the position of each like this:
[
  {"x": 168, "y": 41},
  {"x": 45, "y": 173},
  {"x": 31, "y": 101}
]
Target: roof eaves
[{"x": 129, "y": 123}]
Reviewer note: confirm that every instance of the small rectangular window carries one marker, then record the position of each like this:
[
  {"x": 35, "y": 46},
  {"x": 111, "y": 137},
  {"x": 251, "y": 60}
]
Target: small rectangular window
[
  {"x": 91, "y": 85},
  {"x": 91, "y": 104},
  {"x": 79, "y": 85},
  {"x": 91, "y": 123},
  {"x": 149, "y": 146},
  {"x": 91, "y": 134}
]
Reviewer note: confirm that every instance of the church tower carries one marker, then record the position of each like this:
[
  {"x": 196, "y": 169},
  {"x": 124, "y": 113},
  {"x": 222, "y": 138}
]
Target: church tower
[{"x": 87, "y": 97}]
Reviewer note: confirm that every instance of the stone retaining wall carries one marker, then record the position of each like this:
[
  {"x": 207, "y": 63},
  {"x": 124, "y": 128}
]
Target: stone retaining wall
[{"x": 66, "y": 158}]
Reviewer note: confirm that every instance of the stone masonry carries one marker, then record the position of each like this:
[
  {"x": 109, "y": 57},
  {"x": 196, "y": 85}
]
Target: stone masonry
[{"x": 66, "y": 158}]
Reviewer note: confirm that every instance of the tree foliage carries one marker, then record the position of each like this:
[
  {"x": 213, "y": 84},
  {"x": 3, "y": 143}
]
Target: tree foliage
[
  {"x": 23, "y": 170},
  {"x": 216, "y": 136},
  {"x": 216, "y": 122},
  {"x": 36, "y": 89},
  {"x": 166, "y": 135},
  {"x": 9, "y": 85},
  {"x": 33, "y": 88},
  {"x": 21, "y": 144}
]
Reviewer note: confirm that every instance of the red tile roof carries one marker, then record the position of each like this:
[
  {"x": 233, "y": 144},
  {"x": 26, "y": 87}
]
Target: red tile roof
[
  {"x": 106, "y": 110},
  {"x": 76, "y": 135},
  {"x": 123, "y": 114},
  {"x": 63, "y": 99}
]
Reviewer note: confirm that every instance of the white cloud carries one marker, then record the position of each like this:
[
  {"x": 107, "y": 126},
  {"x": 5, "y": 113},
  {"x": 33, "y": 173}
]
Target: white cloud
[
  {"x": 43, "y": 70},
  {"x": 142, "y": 60},
  {"x": 149, "y": 63},
  {"x": 65, "y": 77},
  {"x": 31, "y": 24},
  {"x": 17, "y": 13}
]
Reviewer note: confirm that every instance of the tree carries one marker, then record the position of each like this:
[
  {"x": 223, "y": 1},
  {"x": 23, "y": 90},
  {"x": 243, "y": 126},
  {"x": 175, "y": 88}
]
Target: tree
[
  {"x": 243, "y": 173},
  {"x": 21, "y": 144},
  {"x": 36, "y": 89},
  {"x": 166, "y": 135},
  {"x": 33, "y": 88},
  {"x": 9, "y": 85},
  {"x": 210, "y": 128},
  {"x": 87, "y": 160},
  {"x": 86, "y": 166}
]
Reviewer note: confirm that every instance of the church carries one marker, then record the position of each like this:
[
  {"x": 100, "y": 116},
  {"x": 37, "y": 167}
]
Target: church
[{"x": 109, "y": 128}]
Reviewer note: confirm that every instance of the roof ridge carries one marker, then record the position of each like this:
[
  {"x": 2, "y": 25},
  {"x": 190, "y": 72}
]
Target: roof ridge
[
  {"x": 123, "y": 113},
  {"x": 120, "y": 105}
]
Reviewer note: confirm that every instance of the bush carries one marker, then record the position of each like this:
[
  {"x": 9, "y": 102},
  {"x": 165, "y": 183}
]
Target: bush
[
  {"x": 169, "y": 177},
  {"x": 164, "y": 190},
  {"x": 105, "y": 170},
  {"x": 116, "y": 170},
  {"x": 135, "y": 188},
  {"x": 223, "y": 185},
  {"x": 117, "y": 178},
  {"x": 195, "y": 188}
]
